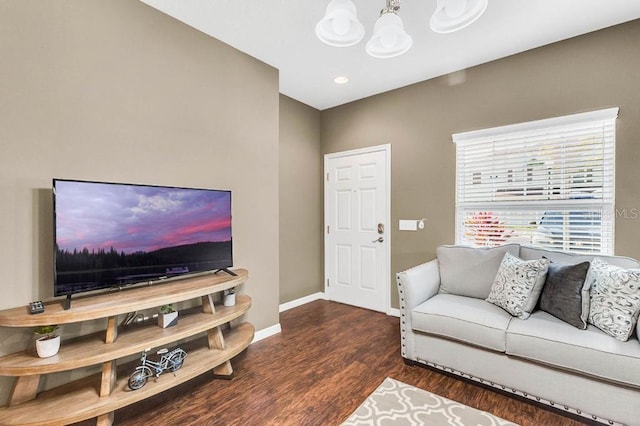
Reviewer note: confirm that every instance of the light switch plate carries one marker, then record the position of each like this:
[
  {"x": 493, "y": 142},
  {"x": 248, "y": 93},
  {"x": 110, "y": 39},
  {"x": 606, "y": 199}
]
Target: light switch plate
[{"x": 408, "y": 225}]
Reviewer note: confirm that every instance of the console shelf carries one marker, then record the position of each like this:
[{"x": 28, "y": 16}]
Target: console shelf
[
  {"x": 52, "y": 407},
  {"x": 91, "y": 350},
  {"x": 100, "y": 395},
  {"x": 121, "y": 302}
]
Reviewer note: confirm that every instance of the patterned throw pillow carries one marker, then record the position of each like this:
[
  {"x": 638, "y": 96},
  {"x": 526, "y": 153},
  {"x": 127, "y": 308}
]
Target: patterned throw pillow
[
  {"x": 615, "y": 298},
  {"x": 518, "y": 284}
]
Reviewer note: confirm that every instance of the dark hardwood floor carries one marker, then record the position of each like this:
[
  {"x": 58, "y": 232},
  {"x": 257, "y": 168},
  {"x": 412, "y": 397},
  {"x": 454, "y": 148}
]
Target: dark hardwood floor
[{"x": 327, "y": 360}]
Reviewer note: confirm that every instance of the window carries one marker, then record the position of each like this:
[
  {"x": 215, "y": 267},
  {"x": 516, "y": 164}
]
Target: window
[{"x": 548, "y": 183}]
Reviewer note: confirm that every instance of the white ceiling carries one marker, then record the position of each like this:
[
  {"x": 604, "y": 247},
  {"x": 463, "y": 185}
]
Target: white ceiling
[{"x": 281, "y": 34}]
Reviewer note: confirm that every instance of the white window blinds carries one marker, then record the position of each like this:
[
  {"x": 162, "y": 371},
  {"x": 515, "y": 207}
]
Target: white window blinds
[{"x": 547, "y": 183}]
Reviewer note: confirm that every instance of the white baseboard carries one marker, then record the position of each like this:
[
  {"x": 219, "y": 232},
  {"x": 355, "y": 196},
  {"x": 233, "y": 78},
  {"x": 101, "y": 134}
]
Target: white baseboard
[
  {"x": 275, "y": 329},
  {"x": 303, "y": 300},
  {"x": 266, "y": 332}
]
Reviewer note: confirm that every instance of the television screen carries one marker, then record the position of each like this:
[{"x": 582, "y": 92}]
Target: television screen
[{"x": 112, "y": 234}]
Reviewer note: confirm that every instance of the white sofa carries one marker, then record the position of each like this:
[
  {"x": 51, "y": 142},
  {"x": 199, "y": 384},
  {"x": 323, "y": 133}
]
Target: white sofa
[{"x": 447, "y": 324}]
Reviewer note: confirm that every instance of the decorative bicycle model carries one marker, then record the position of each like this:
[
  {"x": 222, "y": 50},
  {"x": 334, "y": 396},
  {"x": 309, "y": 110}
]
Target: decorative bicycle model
[{"x": 169, "y": 361}]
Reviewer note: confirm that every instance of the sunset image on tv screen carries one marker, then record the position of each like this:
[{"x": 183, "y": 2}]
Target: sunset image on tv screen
[
  {"x": 113, "y": 234},
  {"x": 132, "y": 218}
]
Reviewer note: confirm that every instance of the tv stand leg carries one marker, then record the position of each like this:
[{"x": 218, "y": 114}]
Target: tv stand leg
[
  {"x": 25, "y": 388},
  {"x": 105, "y": 419},
  {"x": 67, "y": 303},
  {"x": 228, "y": 271},
  {"x": 223, "y": 371}
]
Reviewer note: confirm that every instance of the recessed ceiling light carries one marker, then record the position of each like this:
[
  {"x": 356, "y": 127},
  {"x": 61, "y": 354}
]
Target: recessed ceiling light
[{"x": 342, "y": 79}]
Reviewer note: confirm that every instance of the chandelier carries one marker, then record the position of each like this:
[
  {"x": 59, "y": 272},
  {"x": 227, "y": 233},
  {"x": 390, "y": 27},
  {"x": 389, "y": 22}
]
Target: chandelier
[{"x": 340, "y": 26}]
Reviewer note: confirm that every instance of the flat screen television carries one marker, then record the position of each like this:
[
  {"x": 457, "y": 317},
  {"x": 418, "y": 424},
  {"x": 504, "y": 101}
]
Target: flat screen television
[{"x": 113, "y": 234}]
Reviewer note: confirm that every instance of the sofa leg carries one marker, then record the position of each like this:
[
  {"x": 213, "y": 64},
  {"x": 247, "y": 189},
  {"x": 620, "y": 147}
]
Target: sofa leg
[{"x": 409, "y": 362}]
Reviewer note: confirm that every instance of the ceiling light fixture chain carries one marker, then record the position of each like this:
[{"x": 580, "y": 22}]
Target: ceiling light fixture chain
[{"x": 340, "y": 26}]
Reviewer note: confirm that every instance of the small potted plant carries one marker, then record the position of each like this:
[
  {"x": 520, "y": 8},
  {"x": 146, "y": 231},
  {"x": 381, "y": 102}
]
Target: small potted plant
[
  {"x": 168, "y": 316},
  {"x": 229, "y": 297},
  {"x": 47, "y": 340}
]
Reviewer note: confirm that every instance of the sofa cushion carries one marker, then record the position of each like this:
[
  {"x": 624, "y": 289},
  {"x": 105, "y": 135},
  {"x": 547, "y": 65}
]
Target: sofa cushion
[
  {"x": 462, "y": 318},
  {"x": 615, "y": 298},
  {"x": 469, "y": 271},
  {"x": 565, "y": 294},
  {"x": 530, "y": 253},
  {"x": 518, "y": 285},
  {"x": 546, "y": 339}
]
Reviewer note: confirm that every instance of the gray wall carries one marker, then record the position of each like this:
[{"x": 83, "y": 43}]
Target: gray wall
[
  {"x": 594, "y": 71},
  {"x": 301, "y": 192},
  {"x": 117, "y": 91}
]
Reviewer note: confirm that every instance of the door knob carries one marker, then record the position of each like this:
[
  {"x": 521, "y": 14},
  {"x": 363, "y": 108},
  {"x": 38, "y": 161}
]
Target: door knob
[{"x": 379, "y": 240}]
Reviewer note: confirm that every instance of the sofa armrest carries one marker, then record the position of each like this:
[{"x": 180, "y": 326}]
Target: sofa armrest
[
  {"x": 418, "y": 284},
  {"x": 415, "y": 286}
]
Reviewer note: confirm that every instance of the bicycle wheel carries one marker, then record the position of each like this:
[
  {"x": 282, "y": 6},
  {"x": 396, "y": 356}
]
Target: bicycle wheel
[
  {"x": 176, "y": 362},
  {"x": 137, "y": 380}
]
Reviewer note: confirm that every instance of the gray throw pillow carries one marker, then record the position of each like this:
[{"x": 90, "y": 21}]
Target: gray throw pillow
[
  {"x": 565, "y": 294},
  {"x": 518, "y": 285},
  {"x": 470, "y": 271},
  {"x": 615, "y": 298}
]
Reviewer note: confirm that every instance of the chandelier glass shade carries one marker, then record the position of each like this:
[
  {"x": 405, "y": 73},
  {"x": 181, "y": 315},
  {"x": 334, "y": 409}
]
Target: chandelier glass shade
[
  {"x": 340, "y": 26},
  {"x": 389, "y": 38},
  {"x": 454, "y": 15}
]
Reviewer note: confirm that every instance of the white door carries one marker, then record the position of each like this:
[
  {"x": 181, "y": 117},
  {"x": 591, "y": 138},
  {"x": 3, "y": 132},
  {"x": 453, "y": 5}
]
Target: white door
[{"x": 357, "y": 232}]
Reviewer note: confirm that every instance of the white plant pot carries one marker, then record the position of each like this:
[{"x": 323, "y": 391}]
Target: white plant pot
[
  {"x": 47, "y": 347},
  {"x": 229, "y": 299},
  {"x": 168, "y": 320}
]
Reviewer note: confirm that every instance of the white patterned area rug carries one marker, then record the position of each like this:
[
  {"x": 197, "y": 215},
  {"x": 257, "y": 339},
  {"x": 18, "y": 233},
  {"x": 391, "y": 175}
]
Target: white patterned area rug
[{"x": 398, "y": 404}]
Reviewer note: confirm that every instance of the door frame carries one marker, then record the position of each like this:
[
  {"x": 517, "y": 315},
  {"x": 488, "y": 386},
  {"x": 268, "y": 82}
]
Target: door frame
[{"x": 387, "y": 248}]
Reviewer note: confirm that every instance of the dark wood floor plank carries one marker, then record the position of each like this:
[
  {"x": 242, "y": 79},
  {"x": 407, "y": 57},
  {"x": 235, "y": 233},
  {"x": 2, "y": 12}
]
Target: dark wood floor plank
[{"x": 327, "y": 360}]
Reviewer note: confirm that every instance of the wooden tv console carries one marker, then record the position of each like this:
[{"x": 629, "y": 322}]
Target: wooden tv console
[{"x": 101, "y": 394}]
